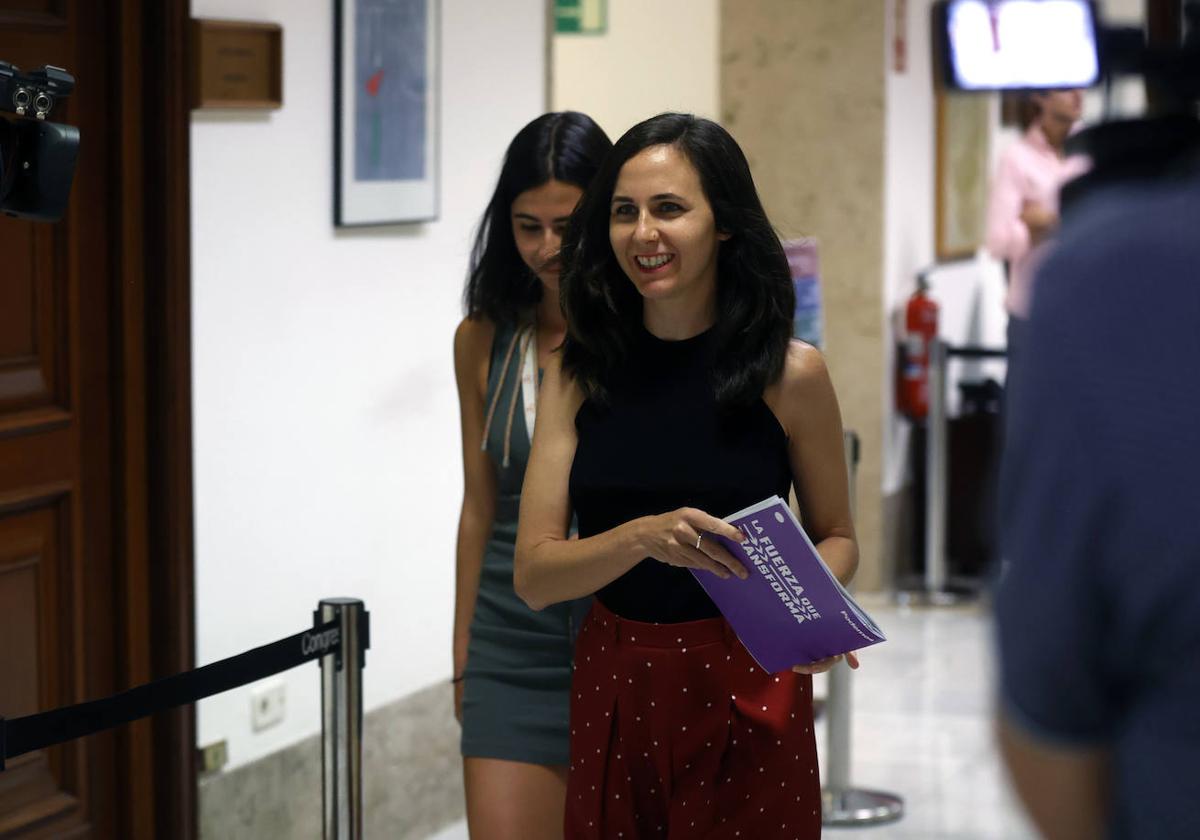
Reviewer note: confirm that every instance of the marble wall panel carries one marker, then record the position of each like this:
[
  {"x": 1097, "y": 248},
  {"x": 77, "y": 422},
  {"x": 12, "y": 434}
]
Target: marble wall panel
[{"x": 802, "y": 90}]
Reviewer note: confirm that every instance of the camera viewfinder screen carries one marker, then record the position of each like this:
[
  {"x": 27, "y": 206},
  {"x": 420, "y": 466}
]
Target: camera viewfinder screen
[{"x": 1022, "y": 44}]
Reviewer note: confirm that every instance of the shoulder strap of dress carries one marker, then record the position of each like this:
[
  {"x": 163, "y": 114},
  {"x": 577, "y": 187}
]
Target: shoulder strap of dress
[{"x": 500, "y": 377}]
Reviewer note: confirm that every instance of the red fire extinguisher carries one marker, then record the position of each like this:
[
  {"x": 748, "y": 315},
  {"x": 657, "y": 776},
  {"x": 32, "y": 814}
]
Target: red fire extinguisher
[{"x": 920, "y": 331}]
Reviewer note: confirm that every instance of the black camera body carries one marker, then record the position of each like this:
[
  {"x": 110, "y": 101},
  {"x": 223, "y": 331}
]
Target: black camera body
[
  {"x": 33, "y": 94},
  {"x": 37, "y": 157}
]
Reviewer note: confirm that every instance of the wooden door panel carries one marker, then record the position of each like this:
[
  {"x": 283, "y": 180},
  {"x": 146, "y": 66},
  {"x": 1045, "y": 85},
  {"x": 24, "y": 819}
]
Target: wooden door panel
[
  {"x": 33, "y": 323},
  {"x": 32, "y": 458},
  {"x": 56, "y": 467},
  {"x": 95, "y": 433},
  {"x": 36, "y": 603},
  {"x": 18, "y": 315},
  {"x": 39, "y": 793},
  {"x": 18, "y": 621},
  {"x": 32, "y": 329},
  {"x": 44, "y": 12}
]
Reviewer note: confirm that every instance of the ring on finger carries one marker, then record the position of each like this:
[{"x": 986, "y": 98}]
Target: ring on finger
[{"x": 699, "y": 537}]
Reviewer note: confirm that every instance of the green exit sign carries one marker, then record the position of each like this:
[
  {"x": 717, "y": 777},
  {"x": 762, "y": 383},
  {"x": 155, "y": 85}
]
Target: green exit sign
[{"x": 581, "y": 17}]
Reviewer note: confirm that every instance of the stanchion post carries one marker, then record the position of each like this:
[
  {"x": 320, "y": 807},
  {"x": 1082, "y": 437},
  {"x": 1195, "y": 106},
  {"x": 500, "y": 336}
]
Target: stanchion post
[
  {"x": 843, "y": 805},
  {"x": 341, "y": 720},
  {"x": 936, "y": 588},
  {"x": 837, "y": 742},
  {"x": 935, "y": 473},
  {"x": 837, "y": 753},
  {"x": 838, "y": 707}
]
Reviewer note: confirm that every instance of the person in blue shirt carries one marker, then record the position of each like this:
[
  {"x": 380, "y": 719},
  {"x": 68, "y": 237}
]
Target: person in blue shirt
[{"x": 1098, "y": 601}]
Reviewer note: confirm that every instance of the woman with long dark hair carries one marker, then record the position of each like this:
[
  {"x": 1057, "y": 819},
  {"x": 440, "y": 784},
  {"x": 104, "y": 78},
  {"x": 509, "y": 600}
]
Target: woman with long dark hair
[
  {"x": 512, "y": 666},
  {"x": 679, "y": 397}
]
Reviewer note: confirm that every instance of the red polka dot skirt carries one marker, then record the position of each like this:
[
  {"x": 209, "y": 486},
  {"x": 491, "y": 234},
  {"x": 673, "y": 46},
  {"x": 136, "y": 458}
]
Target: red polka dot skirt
[{"x": 677, "y": 733}]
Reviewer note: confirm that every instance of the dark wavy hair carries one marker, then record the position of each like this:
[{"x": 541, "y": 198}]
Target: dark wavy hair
[
  {"x": 756, "y": 301},
  {"x": 565, "y": 146}
]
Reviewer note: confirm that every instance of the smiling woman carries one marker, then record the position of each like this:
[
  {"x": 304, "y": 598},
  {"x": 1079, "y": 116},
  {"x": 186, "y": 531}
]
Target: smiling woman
[
  {"x": 678, "y": 398},
  {"x": 673, "y": 188},
  {"x": 662, "y": 228}
]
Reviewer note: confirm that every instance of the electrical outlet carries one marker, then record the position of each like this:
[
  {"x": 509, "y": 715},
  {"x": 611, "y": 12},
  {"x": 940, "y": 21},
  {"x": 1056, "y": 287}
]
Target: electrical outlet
[
  {"x": 213, "y": 757},
  {"x": 267, "y": 705}
]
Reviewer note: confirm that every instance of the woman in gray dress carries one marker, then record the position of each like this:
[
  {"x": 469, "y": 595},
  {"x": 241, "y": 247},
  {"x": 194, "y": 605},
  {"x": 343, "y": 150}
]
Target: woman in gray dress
[{"x": 512, "y": 666}]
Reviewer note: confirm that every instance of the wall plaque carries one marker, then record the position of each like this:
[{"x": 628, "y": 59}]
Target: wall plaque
[{"x": 236, "y": 64}]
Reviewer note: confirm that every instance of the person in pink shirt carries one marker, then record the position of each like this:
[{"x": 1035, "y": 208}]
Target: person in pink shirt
[{"x": 1023, "y": 204}]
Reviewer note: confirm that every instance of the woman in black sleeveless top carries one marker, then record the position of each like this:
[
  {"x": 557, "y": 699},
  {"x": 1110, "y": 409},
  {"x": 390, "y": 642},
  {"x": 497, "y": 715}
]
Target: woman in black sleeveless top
[{"x": 678, "y": 398}]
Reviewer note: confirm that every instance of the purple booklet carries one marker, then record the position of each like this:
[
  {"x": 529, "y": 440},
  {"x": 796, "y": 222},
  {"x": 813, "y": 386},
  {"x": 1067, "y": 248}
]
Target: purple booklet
[{"x": 791, "y": 610}]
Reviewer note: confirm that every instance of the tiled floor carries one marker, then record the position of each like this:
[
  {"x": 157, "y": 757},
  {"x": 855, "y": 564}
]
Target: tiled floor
[
  {"x": 922, "y": 707},
  {"x": 922, "y": 730},
  {"x": 458, "y": 831}
]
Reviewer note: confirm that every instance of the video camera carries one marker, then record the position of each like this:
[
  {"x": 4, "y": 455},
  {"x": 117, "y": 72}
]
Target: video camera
[
  {"x": 1032, "y": 45},
  {"x": 37, "y": 89},
  {"x": 37, "y": 157}
]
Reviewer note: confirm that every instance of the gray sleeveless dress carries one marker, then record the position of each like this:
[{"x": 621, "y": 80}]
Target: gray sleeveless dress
[{"x": 518, "y": 675}]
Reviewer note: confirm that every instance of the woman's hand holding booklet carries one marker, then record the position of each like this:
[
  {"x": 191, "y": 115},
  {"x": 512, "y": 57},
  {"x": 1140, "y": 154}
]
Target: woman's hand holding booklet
[{"x": 791, "y": 612}]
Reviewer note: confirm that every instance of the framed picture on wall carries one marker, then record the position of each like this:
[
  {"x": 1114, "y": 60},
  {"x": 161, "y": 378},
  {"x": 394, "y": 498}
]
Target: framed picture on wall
[
  {"x": 961, "y": 166},
  {"x": 386, "y": 91}
]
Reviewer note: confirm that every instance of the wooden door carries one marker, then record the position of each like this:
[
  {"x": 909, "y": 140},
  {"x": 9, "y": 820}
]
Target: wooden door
[{"x": 94, "y": 583}]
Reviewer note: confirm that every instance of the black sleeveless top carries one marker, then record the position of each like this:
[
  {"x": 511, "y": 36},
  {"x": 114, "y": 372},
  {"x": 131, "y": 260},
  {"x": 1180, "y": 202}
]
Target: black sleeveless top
[{"x": 662, "y": 443}]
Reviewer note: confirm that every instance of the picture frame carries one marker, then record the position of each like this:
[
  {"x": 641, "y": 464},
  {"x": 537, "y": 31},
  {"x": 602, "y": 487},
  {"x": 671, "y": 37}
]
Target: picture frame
[
  {"x": 386, "y": 111},
  {"x": 963, "y": 127}
]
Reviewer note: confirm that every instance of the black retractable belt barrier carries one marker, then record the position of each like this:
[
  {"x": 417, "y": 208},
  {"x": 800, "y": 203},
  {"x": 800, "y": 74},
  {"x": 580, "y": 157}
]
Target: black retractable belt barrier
[
  {"x": 33, "y": 732},
  {"x": 971, "y": 352}
]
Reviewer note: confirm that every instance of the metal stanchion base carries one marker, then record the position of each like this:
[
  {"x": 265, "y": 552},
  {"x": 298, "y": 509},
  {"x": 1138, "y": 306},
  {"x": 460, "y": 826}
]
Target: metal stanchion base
[
  {"x": 943, "y": 598},
  {"x": 911, "y": 592},
  {"x": 852, "y": 807}
]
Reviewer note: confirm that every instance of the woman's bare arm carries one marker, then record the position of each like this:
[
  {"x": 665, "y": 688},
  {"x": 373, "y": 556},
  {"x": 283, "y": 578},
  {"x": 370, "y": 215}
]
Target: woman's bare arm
[
  {"x": 472, "y": 349},
  {"x": 807, "y": 407}
]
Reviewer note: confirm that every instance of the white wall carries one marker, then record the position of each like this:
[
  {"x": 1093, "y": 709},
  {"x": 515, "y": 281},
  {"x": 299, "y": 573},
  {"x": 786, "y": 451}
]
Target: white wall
[
  {"x": 326, "y": 423},
  {"x": 908, "y": 238},
  {"x": 657, "y": 55}
]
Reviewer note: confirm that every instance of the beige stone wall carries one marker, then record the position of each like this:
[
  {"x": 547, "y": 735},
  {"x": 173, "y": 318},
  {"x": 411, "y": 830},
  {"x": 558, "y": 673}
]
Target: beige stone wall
[{"x": 802, "y": 90}]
